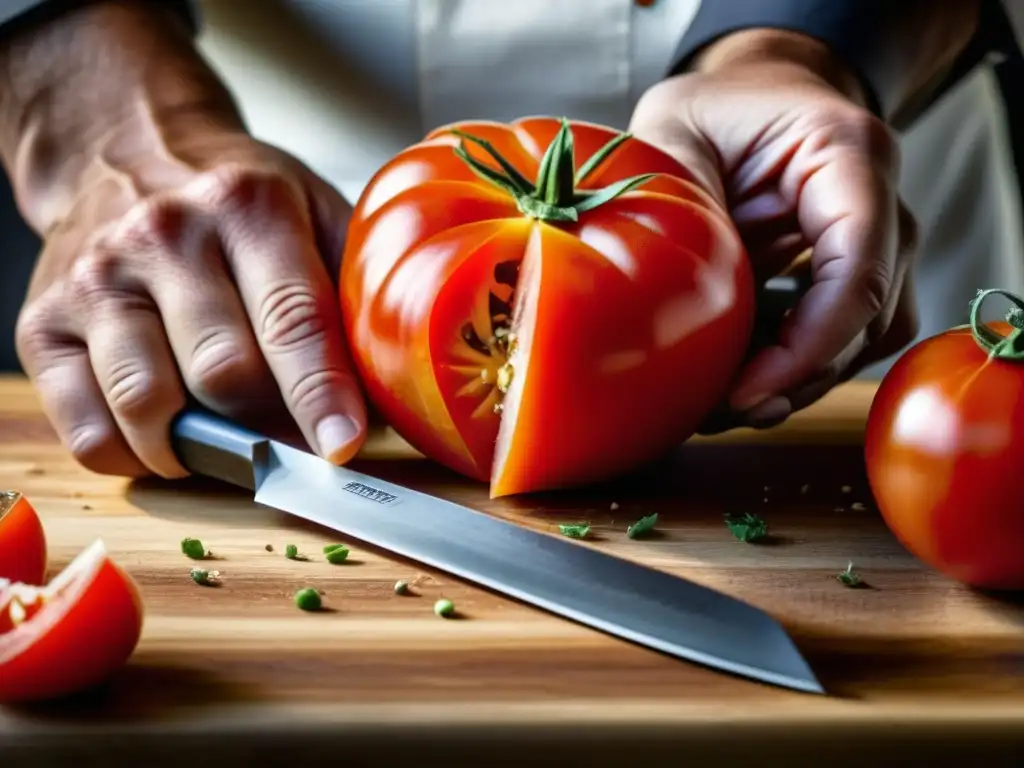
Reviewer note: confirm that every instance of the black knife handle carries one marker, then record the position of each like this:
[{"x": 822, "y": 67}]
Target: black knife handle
[{"x": 210, "y": 445}]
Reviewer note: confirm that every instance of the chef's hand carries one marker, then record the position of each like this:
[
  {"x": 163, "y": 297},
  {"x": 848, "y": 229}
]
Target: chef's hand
[
  {"x": 180, "y": 256},
  {"x": 778, "y": 130}
]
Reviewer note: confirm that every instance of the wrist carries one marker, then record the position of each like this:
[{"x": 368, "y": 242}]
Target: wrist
[
  {"x": 116, "y": 73},
  {"x": 752, "y": 48}
]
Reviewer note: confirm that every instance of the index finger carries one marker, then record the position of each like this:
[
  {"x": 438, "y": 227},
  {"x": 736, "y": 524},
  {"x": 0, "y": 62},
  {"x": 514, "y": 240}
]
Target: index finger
[
  {"x": 270, "y": 246},
  {"x": 846, "y": 201}
]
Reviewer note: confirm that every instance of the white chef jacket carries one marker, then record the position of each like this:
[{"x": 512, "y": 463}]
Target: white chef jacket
[{"x": 345, "y": 84}]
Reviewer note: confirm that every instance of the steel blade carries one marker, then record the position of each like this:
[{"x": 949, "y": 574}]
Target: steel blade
[{"x": 611, "y": 594}]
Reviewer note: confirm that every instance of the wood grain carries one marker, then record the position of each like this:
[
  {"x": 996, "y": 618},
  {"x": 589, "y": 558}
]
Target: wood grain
[{"x": 912, "y": 663}]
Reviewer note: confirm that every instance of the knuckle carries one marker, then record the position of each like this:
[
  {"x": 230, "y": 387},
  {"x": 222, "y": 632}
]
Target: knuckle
[
  {"x": 223, "y": 366},
  {"x": 135, "y": 393},
  {"x": 156, "y": 223},
  {"x": 32, "y": 330},
  {"x": 859, "y": 128},
  {"x": 97, "y": 273},
  {"x": 290, "y": 317},
  {"x": 97, "y": 448},
  {"x": 873, "y": 286},
  {"x": 250, "y": 187}
]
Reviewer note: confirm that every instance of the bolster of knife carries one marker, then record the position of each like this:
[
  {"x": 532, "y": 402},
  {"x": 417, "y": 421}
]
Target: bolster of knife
[{"x": 207, "y": 444}]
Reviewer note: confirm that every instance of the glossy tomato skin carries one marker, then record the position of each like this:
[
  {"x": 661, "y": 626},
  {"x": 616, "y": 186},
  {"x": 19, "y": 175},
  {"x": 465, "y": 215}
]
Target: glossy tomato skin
[
  {"x": 638, "y": 314},
  {"x": 75, "y": 644},
  {"x": 23, "y": 555},
  {"x": 943, "y": 443}
]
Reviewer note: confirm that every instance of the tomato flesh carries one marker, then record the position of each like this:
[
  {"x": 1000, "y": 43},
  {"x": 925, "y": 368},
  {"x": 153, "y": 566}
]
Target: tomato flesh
[
  {"x": 942, "y": 449},
  {"x": 23, "y": 555},
  {"x": 537, "y": 354},
  {"x": 70, "y": 635}
]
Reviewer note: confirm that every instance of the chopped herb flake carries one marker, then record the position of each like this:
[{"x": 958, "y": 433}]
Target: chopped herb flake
[
  {"x": 575, "y": 530},
  {"x": 642, "y": 526},
  {"x": 331, "y": 547},
  {"x": 747, "y": 528},
  {"x": 292, "y": 553},
  {"x": 337, "y": 554},
  {"x": 194, "y": 549},
  {"x": 444, "y": 607},
  {"x": 848, "y": 577},
  {"x": 204, "y": 577},
  {"x": 308, "y": 599}
]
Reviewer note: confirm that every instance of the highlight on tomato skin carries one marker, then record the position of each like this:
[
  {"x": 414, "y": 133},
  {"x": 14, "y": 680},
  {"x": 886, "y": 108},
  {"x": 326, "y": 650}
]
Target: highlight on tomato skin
[
  {"x": 943, "y": 446},
  {"x": 70, "y": 635},
  {"x": 543, "y": 303},
  {"x": 23, "y": 551}
]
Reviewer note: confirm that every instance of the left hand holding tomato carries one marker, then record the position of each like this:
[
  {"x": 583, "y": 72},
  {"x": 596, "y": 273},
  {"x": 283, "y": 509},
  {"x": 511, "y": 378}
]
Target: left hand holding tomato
[{"x": 775, "y": 126}]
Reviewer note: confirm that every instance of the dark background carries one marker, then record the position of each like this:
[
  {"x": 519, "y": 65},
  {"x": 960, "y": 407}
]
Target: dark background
[{"x": 17, "y": 241}]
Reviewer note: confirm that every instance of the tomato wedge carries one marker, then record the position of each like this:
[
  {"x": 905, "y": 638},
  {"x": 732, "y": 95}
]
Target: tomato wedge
[
  {"x": 944, "y": 439},
  {"x": 71, "y": 634},
  {"x": 22, "y": 540},
  {"x": 548, "y": 333}
]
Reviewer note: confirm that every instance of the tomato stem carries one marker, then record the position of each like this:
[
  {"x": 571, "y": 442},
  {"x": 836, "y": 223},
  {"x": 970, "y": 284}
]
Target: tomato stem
[
  {"x": 1009, "y": 347},
  {"x": 555, "y": 195}
]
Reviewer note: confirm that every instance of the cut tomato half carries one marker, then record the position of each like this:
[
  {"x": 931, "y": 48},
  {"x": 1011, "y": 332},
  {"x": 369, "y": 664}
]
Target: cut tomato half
[
  {"x": 71, "y": 634},
  {"x": 22, "y": 541}
]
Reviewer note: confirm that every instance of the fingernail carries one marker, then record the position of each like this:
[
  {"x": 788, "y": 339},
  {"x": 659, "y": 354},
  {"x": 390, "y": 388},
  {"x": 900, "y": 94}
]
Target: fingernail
[
  {"x": 337, "y": 437},
  {"x": 770, "y": 413},
  {"x": 745, "y": 403}
]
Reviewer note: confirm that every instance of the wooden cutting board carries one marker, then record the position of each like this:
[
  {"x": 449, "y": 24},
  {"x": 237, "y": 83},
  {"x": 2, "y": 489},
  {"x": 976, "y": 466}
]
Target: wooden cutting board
[{"x": 914, "y": 664}]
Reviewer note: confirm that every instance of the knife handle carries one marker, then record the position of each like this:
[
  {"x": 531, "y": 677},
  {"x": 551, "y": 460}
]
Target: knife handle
[{"x": 210, "y": 445}]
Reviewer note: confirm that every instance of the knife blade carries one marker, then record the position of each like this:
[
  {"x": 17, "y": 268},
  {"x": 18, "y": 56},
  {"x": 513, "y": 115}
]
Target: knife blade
[{"x": 622, "y": 598}]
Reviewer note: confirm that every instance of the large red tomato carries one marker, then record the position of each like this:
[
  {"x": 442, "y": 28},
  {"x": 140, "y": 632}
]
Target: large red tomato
[
  {"x": 22, "y": 540},
  {"x": 943, "y": 447},
  {"x": 543, "y": 303},
  {"x": 71, "y": 634}
]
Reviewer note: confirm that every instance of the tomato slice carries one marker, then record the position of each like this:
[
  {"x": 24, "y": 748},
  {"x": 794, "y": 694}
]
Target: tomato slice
[
  {"x": 71, "y": 634},
  {"x": 22, "y": 540}
]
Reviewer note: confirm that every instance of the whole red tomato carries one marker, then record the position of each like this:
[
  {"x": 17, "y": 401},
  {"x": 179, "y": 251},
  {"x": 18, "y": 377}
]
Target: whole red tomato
[
  {"x": 543, "y": 303},
  {"x": 943, "y": 447}
]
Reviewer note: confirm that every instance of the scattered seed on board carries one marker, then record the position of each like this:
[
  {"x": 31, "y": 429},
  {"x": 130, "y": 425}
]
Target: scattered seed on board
[
  {"x": 614, "y": 506},
  {"x": 444, "y": 607},
  {"x": 846, "y": 489},
  {"x": 858, "y": 506},
  {"x": 401, "y": 587}
]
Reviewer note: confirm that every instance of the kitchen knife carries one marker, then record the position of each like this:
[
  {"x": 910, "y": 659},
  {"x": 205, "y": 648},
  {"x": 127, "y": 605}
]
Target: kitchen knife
[{"x": 611, "y": 594}]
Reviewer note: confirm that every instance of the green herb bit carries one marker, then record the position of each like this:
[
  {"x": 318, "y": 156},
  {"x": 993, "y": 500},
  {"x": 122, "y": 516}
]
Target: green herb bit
[
  {"x": 848, "y": 577},
  {"x": 204, "y": 577},
  {"x": 444, "y": 607},
  {"x": 401, "y": 587},
  {"x": 337, "y": 555},
  {"x": 575, "y": 530},
  {"x": 308, "y": 599},
  {"x": 331, "y": 547},
  {"x": 194, "y": 549},
  {"x": 642, "y": 526},
  {"x": 292, "y": 553},
  {"x": 747, "y": 528}
]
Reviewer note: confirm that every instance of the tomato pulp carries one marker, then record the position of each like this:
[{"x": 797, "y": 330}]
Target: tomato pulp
[
  {"x": 71, "y": 634},
  {"x": 547, "y": 333},
  {"x": 943, "y": 444},
  {"x": 22, "y": 541}
]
